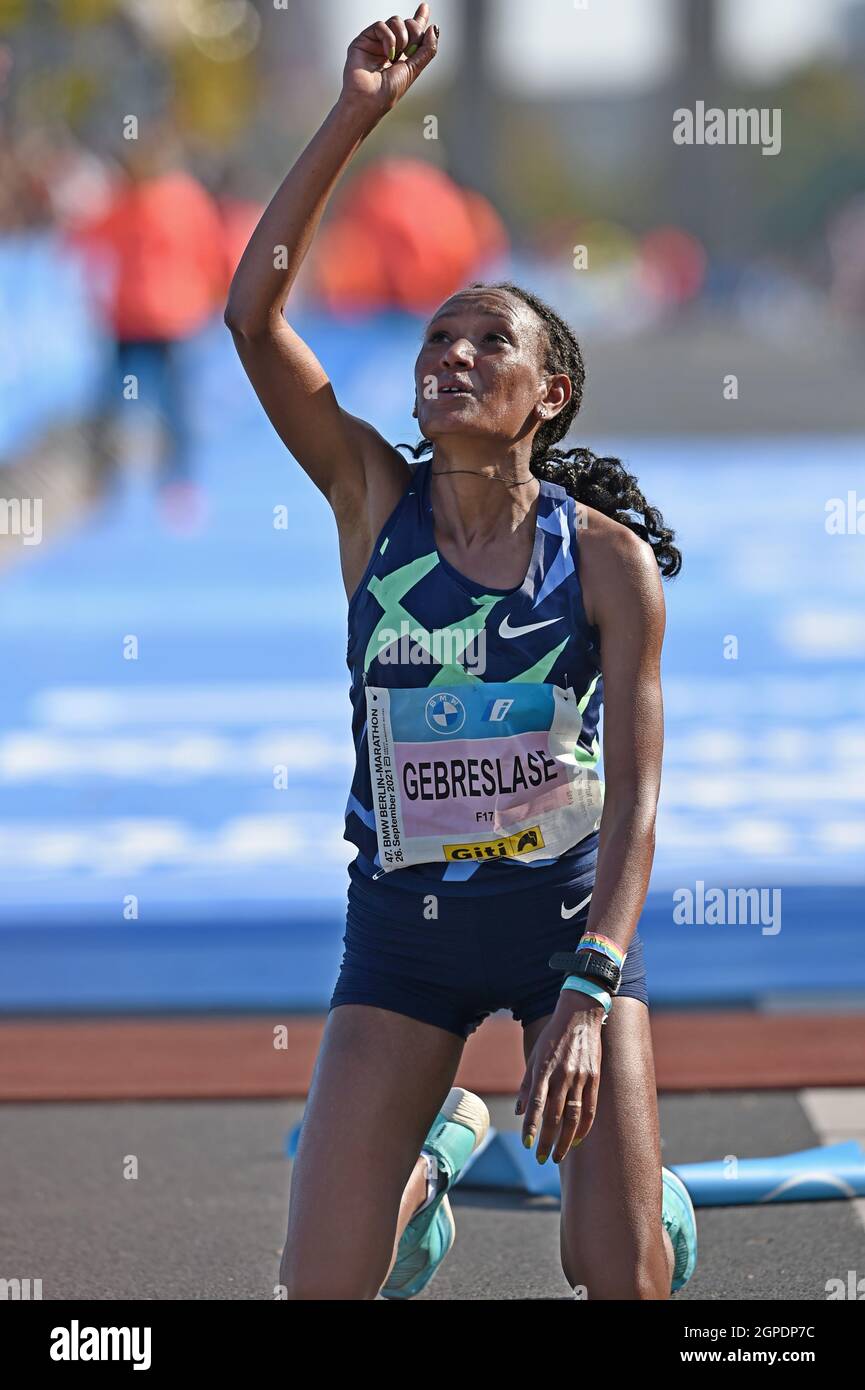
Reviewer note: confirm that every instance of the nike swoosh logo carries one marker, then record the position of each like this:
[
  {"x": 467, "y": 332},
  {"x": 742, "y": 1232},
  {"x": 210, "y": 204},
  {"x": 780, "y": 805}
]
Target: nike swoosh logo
[
  {"x": 505, "y": 629},
  {"x": 572, "y": 911}
]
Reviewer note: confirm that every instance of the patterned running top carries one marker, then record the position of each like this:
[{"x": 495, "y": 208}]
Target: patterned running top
[{"x": 475, "y": 710}]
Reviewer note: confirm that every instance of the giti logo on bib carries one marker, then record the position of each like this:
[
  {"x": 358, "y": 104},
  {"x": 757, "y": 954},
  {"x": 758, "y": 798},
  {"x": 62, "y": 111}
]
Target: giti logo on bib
[{"x": 507, "y": 848}]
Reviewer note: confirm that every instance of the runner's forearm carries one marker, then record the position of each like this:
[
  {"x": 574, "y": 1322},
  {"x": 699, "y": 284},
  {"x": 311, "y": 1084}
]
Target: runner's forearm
[
  {"x": 262, "y": 282},
  {"x": 626, "y": 849}
]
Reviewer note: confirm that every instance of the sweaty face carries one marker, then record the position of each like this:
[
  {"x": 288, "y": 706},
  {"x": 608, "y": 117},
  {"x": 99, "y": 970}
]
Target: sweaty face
[{"x": 480, "y": 368}]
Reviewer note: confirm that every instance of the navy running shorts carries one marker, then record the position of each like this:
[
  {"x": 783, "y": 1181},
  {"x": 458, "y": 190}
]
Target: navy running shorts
[{"x": 452, "y": 960}]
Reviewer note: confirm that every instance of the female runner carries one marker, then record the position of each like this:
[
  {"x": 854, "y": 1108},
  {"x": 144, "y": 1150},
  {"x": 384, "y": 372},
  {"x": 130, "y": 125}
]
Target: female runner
[{"x": 498, "y": 589}]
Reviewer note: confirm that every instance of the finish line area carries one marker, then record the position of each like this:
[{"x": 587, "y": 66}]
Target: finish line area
[{"x": 174, "y": 875}]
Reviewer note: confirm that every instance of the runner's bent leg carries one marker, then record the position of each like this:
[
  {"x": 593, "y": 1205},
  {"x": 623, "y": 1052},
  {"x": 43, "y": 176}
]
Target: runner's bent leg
[
  {"x": 379, "y": 1081},
  {"x": 612, "y": 1239}
]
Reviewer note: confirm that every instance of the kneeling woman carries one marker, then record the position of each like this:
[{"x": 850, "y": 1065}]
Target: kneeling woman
[{"x": 493, "y": 868}]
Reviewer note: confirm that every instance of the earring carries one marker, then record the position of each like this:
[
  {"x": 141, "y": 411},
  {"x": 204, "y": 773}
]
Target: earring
[{"x": 542, "y": 411}]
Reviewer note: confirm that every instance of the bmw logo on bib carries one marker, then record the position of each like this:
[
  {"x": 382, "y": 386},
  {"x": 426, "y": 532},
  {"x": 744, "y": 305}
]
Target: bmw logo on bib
[{"x": 445, "y": 714}]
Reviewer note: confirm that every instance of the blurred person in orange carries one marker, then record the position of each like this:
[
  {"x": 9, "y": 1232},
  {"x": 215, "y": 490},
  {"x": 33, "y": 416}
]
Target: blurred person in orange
[
  {"x": 405, "y": 236},
  {"x": 159, "y": 267}
]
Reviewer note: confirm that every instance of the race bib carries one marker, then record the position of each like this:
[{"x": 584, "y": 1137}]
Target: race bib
[{"x": 487, "y": 771}]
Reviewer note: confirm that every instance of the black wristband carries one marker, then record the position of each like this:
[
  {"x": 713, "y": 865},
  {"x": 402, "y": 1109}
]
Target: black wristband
[{"x": 594, "y": 965}]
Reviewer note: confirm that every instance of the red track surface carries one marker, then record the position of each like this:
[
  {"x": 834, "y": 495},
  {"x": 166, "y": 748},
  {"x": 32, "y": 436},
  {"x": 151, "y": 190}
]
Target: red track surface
[{"x": 133, "y": 1058}]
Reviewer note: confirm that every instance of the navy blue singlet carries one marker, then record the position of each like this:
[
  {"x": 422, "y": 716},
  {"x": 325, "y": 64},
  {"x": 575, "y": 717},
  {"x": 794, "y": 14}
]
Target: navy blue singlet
[{"x": 475, "y": 710}]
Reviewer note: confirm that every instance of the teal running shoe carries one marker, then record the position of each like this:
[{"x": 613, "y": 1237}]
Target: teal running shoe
[
  {"x": 680, "y": 1223},
  {"x": 460, "y": 1126}
]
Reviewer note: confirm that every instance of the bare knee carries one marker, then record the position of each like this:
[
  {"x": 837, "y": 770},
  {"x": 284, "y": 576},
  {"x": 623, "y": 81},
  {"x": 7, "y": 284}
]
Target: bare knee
[
  {"x": 330, "y": 1292},
  {"x": 300, "y": 1286},
  {"x": 635, "y": 1277},
  {"x": 636, "y": 1284}
]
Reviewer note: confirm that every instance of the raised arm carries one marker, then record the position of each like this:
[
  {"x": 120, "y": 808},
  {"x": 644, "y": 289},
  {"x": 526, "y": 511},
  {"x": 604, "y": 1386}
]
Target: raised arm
[{"x": 360, "y": 474}]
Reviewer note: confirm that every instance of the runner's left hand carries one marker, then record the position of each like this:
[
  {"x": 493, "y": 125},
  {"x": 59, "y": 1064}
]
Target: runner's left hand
[{"x": 559, "y": 1094}]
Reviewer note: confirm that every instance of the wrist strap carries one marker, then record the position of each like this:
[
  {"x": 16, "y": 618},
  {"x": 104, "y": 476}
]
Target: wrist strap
[{"x": 591, "y": 988}]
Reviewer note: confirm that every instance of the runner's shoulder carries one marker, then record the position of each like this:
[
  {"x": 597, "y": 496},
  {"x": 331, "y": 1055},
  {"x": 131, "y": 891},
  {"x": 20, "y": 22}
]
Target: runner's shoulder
[{"x": 615, "y": 562}]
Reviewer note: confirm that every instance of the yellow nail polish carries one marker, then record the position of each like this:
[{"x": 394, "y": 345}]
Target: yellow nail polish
[
  {"x": 528, "y": 1140},
  {"x": 412, "y": 48},
  {"x": 542, "y": 1158},
  {"x": 392, "y": 53}
]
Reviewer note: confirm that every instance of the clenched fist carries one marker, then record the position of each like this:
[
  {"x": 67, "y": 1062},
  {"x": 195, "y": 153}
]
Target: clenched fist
[{"x": 386, "y": 58}]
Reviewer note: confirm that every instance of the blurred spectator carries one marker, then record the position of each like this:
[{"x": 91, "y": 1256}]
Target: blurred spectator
[
  {"x": 24, "y": 200},
  {"x": 75, "y": 183},
  {"x": 846, "y": 239},
  {"x": 403, "y": 236},
  {"x": 159, "y": 271}
]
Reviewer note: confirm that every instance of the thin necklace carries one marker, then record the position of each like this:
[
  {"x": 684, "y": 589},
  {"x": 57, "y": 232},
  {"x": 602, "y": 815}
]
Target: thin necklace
[{"x": 491, "y": 477}]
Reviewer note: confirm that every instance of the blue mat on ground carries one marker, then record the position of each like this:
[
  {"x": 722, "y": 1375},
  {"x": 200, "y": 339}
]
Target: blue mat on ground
[{"x": 810, "y": 1175}]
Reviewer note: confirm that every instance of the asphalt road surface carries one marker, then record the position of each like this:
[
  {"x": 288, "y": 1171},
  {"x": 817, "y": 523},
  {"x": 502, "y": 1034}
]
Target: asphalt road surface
[{"x": 205, "y": 1217}]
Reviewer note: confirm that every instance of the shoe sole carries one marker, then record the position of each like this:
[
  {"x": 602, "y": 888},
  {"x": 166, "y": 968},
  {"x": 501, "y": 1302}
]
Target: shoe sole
[{"x": 419, "y": 1281}]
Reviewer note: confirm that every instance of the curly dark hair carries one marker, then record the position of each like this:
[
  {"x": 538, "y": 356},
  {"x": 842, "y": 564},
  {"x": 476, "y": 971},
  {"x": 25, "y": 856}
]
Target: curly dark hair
[{"x": 600, "y": 482}]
